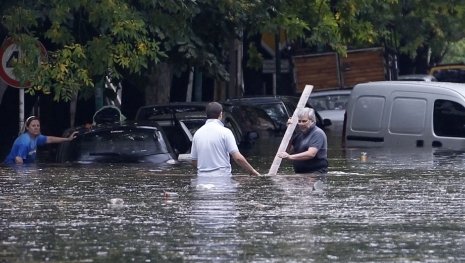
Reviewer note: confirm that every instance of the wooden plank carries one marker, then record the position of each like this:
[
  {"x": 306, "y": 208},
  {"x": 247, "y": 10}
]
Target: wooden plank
[{"x": 290, "y": 129}]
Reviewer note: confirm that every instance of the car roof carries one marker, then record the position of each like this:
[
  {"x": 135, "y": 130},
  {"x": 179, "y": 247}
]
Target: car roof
[
  {"x": 330, "y": 92},
  {"x": 387, "y": 86},
  {"x": 419, "y": 77},
  {"x": 179, "y": 104},
  {"x": 260, "y": 99}
]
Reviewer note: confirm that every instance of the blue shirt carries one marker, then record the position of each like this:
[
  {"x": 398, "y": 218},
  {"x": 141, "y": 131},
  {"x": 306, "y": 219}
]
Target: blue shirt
[{"x": 26, "y": 148}]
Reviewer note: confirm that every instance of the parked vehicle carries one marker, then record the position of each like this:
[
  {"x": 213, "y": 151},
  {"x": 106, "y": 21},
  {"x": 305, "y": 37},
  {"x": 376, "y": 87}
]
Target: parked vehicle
[
  {"x": 417, "y": 77},
  {"x": 251, "y": 118},
  {"x": 406, "y": 114},
  {"x": 453, "y": 72},
  {"x": 117, "y": 143},
  {"x": 331, "y": 104},
  {"x": 279, "y": 109},
  {"x": 180, "y": 120}
]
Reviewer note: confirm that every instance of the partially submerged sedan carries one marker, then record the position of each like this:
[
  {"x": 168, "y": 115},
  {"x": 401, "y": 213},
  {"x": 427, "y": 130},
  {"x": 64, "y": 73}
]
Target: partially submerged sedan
[{"x": 117, "y": 143}]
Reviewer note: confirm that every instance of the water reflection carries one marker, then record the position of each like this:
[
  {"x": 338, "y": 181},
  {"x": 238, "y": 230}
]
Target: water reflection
[
  {"x": 213, "y": 219},
  {"x": 402, "y": 206}
]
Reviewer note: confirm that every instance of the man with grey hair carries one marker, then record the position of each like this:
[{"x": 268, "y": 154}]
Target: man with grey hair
[
  {"x": 308, "y": 148},
  {"x": 213, "y": 144}
]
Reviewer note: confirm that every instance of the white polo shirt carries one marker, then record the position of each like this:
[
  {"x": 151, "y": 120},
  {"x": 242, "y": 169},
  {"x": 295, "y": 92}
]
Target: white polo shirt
[{"x": 211, "y": 147}]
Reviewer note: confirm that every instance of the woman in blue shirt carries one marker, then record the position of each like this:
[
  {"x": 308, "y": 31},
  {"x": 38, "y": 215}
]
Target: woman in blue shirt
[{"x": 24, "y": 149}]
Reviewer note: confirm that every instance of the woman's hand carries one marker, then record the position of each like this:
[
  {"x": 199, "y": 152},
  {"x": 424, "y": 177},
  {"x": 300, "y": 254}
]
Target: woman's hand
[{"x": 73, "y": 135}]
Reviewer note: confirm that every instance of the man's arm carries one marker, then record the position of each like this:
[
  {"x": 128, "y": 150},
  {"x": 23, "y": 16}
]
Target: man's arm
[
  {"x": 308, "y": 154},
  {"x": 240, "y": 160},
  {"x": 53, "y": 139}
]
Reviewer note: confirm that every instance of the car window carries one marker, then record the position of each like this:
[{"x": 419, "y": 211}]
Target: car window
[
  {"x": 276, "y": 111},
  {"x": 290, "y": 107},
  {"x": 193, "y": 125},
  {"x": 330, "y": 102},
  {"x": 119, "y": 143},
  {"x": 234, "y": 128},
  {"x": 450, "y": 75},
  {"x": 449, "y": 119}
]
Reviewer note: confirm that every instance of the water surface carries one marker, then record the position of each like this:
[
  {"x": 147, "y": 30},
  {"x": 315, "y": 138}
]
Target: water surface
[{"x": 399, "y": 206}]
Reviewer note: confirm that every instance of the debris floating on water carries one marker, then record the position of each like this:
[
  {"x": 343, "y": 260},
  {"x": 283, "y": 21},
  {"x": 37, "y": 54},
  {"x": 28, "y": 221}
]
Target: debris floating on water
[
  {"x": 205, "y": 186},
  {"x": 170, "y": 194},
  {"x": 116, "y": 203},
  {"x": 318, "y": 185}
]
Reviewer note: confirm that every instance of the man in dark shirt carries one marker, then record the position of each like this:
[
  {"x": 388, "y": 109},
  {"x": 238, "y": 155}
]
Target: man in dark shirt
[{"x": 308, "y": 148}]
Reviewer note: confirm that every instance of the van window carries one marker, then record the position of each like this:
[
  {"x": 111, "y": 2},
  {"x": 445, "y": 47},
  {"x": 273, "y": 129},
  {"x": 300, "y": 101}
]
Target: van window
[
  {"x": 449, "y": 119},
  {"x": 368, "y": 113},
  {"x": 408, "y": 115}
]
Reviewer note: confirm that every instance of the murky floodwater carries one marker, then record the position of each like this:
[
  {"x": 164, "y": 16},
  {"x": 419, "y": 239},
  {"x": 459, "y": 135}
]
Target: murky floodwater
[{"x": 396, "y": 207}]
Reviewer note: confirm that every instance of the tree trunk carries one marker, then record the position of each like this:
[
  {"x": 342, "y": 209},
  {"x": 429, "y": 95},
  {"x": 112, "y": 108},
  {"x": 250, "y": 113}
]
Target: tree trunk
[
  {"x": 159, "y": 88},
  {"x": 421, "y": 60}
]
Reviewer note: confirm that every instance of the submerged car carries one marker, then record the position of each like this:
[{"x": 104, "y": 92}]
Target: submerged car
[
  {"x": 252, "y": 118},
  {"x": 110, "y": 140},
  {"x": 279, "y": 109},
  {"x": 449, "y": 72},
  {"x": 403, "y": 114},
  {"x": 180, "y": 120},
  {"x": 331, "y": 104}
]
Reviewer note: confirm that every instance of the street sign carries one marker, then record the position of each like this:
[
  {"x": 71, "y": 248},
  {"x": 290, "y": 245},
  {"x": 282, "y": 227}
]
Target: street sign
[
  {"x": 268, "y": 42},
  {"x": 8, "y": 52},
  {"x": 269, "y": 66}
]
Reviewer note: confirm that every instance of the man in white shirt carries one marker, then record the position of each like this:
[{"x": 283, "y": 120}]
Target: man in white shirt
[{"x": 213, "y": 144}]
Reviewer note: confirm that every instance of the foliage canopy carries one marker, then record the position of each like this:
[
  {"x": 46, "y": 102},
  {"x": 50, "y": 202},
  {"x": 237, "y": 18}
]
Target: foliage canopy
[{"x": 87, "y": 40}]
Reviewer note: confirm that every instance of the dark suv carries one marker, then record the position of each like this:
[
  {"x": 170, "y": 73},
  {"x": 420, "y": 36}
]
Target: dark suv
[
  {"x": 279, "y": 108},
  {"x": 181, "y": 120}
]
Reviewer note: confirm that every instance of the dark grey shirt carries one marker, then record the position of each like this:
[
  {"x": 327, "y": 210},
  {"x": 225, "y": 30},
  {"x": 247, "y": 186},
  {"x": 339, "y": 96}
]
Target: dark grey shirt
[{"x": 313, "y": 137}]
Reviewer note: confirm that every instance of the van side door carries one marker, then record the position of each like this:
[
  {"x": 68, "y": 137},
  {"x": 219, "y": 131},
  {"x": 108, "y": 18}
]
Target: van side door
[{"x": 406, "y": 119}]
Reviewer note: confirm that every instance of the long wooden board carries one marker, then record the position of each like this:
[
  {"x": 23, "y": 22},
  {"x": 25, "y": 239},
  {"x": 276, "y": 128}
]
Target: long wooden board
[{"x": 290, "y": 129}]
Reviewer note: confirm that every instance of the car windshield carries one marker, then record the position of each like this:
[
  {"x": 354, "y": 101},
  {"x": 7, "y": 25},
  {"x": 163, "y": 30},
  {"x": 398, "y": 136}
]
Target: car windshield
[
  {"x": 330, "y": 102},
  {"x": 137, "y": 142},
  {"x": 275, "y": 111}
]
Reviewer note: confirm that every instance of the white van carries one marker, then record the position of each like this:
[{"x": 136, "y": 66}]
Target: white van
[{"x": 406, "y": 114}]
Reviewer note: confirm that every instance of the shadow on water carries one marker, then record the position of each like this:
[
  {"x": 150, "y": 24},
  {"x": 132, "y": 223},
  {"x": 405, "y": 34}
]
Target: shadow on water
[{"x": 398, "y": 206}]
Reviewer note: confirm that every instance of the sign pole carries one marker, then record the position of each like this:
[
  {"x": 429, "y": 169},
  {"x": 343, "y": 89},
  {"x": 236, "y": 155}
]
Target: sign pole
[
  {"x": 9, "y": 51},
  {"x": 21, "y": 108},
  {"x": 290, "y": 129}
]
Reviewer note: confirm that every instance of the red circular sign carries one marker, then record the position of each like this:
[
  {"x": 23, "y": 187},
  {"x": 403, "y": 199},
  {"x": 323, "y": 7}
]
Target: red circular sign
[{"x": 8, "y": 52}]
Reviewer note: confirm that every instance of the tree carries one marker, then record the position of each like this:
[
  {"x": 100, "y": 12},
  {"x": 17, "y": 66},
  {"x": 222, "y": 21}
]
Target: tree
[
  {"x": 425, "y": 29},
  {"x": 149, "y": 41}
]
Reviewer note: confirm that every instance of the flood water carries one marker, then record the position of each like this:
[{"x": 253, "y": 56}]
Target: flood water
[{"x": 398, "y": 206}]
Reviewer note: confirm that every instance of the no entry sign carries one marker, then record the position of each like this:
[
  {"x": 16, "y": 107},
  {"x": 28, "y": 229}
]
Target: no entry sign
[{"x": 8, "y": 52}]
